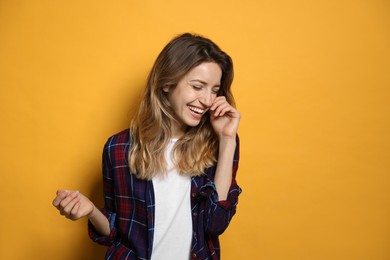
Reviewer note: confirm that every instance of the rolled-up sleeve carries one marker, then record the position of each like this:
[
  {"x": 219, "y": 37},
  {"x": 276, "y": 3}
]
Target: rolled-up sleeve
[
  {"x": 109, "y": 202},
  {"x": 219, "y": 213},
  {"x": 97, "y": 237}
]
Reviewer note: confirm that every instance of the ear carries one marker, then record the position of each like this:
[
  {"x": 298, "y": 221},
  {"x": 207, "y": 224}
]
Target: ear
[{"x": 166, "y": 88}]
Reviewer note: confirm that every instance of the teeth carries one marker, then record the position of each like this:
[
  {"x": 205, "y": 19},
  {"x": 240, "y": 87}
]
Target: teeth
[{"x": 196, "y": 110}]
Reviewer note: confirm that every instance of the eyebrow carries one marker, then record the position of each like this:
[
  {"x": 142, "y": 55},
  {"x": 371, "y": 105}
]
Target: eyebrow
[{"x": 203, "y": 82}]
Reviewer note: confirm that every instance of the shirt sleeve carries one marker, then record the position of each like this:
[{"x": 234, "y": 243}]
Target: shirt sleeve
[
  {"x": 109, "y": 202},
  {"x": 220, "y": 213}
]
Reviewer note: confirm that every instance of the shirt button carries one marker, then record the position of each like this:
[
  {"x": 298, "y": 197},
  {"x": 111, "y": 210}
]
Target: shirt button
[
  {"x": 193, "y": 194},
  {"x": 195, "y": 214},
  {"x": 194, "y": 255}
]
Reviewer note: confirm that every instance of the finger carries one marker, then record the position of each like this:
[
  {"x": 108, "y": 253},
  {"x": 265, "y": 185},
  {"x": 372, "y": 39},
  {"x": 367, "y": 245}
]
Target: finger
[
  {"x": 68, "y": 198},
  {"x": 227, "y": 110},
  {"x": 231, "y": 111},
  {"x": 221, "y": 109},
  {"x": 69, "y": 208},
  {"x": 217, "y": 102},
  {"x": 56, "y": 202},
  {"x": 220, "y": 105},
  {"x": 65, "y": 210},
  {"x": 74, "y": 214},
  {"x": 61, "y": 194}
]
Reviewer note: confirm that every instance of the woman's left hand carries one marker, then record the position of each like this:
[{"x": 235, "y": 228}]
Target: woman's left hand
[{"x": 224, "y": 118}]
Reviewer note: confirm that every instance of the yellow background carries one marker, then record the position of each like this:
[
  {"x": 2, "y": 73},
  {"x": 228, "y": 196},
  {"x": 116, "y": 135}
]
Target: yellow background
[{"x": 312, "y": 83}]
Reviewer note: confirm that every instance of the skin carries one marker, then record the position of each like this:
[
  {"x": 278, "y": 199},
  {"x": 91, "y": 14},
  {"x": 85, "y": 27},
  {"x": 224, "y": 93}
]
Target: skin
[{"x": 197, "y": 90}]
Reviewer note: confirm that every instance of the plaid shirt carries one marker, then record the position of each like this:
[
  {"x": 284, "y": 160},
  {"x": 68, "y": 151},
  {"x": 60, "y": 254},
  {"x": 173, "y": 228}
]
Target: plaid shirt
[{"x": 129, "y": 207}]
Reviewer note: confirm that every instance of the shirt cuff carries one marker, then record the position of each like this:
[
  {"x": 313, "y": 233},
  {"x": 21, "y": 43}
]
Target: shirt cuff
[
  {"x": 232, "y": 198},
  {"x": 209, "y": 190},
  {"x": 101, "y": 239}
]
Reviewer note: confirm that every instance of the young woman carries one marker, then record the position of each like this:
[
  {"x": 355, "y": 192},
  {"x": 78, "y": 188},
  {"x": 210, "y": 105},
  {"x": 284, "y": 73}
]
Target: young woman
[{"x": 169, "y": 181}]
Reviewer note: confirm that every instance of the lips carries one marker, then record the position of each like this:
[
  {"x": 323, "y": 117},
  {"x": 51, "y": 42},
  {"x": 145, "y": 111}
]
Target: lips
[{"x": 196, "y": 110}]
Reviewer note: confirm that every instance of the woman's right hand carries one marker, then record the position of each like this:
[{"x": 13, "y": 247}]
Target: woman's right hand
[{"x": 72, "y": 204}]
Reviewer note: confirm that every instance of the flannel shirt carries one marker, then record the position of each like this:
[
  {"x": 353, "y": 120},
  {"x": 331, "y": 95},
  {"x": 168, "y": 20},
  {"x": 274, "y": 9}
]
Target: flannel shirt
[{"x": 129, "y": 207}]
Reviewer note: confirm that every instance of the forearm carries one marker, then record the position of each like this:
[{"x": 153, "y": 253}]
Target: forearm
[
  {"x": 99, "y": 221},
  {"x": 223, "y": 173}
]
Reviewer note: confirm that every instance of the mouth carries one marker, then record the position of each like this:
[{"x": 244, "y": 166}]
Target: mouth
[{"x": 197, "y": 112}]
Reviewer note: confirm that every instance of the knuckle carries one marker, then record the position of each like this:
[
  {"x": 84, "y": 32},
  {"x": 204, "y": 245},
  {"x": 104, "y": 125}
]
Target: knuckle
[{"x": 74, "y": 216}]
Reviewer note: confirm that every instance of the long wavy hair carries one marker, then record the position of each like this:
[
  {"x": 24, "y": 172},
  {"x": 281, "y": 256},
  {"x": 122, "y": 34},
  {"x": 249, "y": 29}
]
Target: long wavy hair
[{"x": 150, "y": 129}]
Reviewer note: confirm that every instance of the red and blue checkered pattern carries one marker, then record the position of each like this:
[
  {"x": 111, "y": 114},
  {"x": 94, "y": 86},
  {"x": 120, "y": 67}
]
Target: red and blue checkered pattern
[{"x": 129, "y": 207}]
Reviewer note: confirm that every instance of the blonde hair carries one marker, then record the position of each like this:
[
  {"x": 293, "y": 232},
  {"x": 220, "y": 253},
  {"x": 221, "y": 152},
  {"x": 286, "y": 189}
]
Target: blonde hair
[{"x": 150, "y": 129}]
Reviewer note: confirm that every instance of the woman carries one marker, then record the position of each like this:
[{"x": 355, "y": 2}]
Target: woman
[{"x": 169, "y": 181}]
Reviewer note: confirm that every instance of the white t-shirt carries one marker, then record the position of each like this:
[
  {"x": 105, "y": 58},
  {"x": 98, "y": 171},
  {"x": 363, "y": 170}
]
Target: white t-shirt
[{"x": 173, "y": 222}]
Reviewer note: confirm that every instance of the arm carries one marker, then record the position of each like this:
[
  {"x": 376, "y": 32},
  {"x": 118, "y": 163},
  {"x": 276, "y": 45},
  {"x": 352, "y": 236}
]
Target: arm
[
  {"x": 109, "y": 209},
  {"x": 223, "y": 173},
  {"x": 218, "y": 213},
  {"x": 73, "y": 205},
  {"x": 224, "y": 119},
  {"x": 221, "y": 193}
]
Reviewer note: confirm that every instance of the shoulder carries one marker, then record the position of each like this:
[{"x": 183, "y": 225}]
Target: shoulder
[
  {"x": 118, "y": 143},
  {"x": 122, "y": 136},
  {"x": 116, "y": 151},
  {"x": 118, "y": 139}
]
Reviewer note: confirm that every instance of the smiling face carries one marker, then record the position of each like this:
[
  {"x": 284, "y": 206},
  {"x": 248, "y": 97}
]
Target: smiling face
[{"x": 193, "y": 96}]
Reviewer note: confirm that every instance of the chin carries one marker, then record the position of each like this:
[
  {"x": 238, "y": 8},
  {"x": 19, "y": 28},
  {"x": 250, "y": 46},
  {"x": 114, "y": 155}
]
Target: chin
[{"x": 192, "y": 123}]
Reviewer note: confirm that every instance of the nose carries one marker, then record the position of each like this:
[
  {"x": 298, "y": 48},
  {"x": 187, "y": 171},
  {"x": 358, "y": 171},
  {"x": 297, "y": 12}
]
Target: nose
[{"x": 206, "y": 99}]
